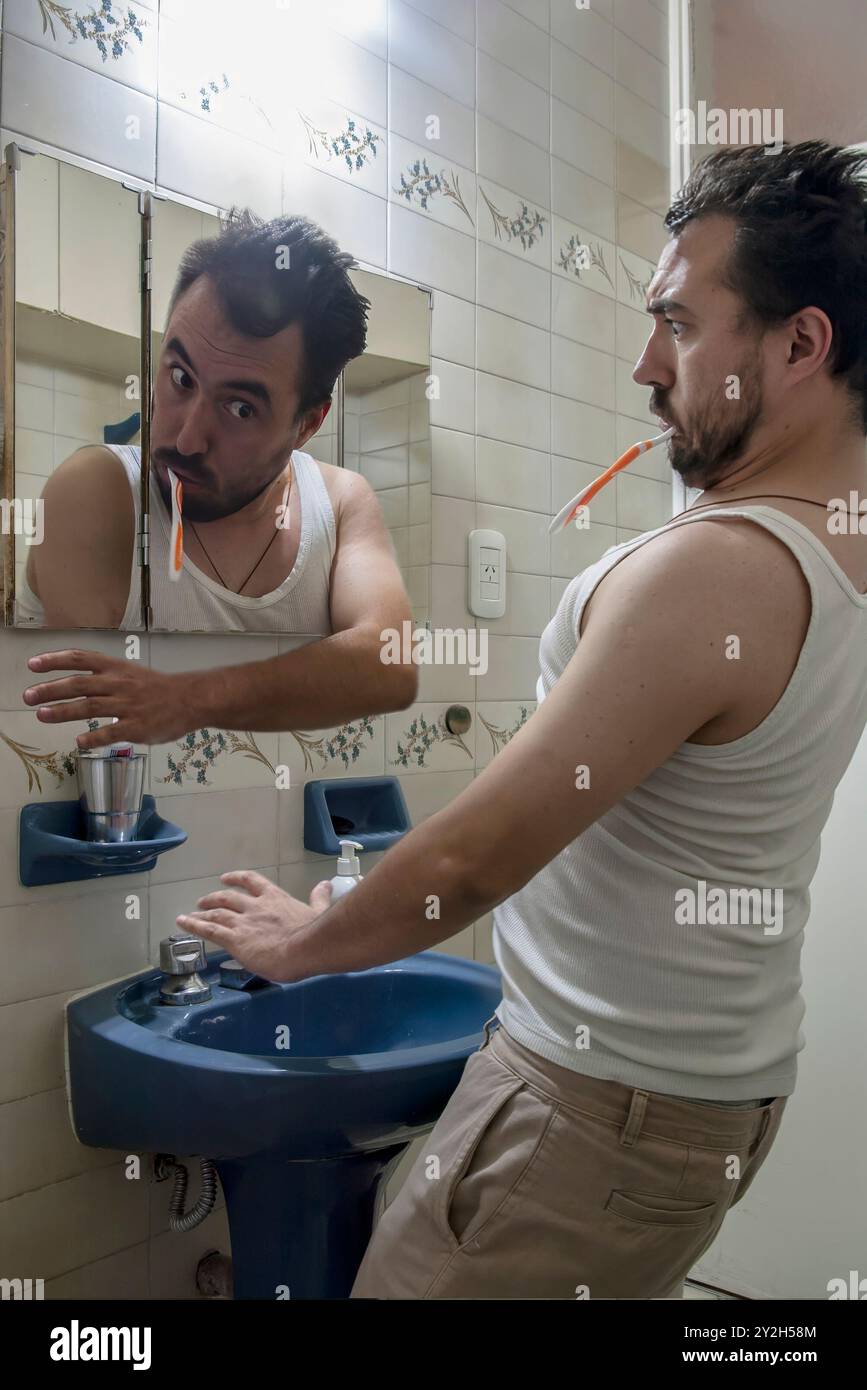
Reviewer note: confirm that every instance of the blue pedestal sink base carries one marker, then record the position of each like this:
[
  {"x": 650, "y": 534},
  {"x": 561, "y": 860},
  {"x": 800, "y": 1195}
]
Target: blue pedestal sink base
[{"x": 300, "y": 1229}]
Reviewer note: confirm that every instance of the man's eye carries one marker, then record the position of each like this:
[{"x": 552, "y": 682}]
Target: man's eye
[
  {"x": 176, "y": 373},
  {"x": 242, "y": 406},
  {"x": 675, "y": 327}
]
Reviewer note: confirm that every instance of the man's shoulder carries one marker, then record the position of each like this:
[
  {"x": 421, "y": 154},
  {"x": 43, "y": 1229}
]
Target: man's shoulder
[
  {"x": 704, "y": 576},
  {"x": 91, "y": 482}
]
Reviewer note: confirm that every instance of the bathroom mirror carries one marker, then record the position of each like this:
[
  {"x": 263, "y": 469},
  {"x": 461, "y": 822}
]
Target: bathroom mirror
[
  {"x": 72, "y": 373},
  {"x": 89, "y": 271}
]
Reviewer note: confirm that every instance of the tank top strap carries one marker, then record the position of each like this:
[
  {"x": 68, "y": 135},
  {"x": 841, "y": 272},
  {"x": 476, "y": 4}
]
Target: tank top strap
[{"x": 317, "y": 514}]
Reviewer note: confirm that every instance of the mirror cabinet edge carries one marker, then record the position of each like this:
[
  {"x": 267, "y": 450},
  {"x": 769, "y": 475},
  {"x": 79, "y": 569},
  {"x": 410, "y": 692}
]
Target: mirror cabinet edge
[{"x": 11, "y": 163}]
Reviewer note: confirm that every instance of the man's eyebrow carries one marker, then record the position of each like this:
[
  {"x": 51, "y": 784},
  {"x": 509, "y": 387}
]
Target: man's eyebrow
[
  {"x": 252, "y": 388},
  {"x": 665, "y": 305}
]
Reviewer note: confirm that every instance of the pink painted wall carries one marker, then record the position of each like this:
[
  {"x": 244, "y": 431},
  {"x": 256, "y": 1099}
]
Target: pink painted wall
[{"x": 807, "y": 56}]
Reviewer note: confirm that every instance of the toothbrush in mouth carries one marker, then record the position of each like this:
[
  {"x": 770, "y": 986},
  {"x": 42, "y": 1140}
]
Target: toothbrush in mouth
[
  {"x": 571, "y": 509},
  {"x": 176, "y": 545}
]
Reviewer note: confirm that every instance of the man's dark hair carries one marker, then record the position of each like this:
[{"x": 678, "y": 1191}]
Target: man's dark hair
[
  {"x": 800, "y": 239},
  {"x": 271, "y": 274}
]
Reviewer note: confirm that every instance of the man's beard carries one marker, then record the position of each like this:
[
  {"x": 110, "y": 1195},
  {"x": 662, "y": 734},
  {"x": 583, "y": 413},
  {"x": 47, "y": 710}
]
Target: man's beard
[
  {"x": 718, "y": 437},
  {"x": 201, "y": 505}
]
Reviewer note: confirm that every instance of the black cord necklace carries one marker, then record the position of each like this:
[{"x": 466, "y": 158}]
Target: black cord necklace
[{"x": 277, "y": 530}]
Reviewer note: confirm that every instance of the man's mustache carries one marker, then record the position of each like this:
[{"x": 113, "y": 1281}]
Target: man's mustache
[{"x": 179, "y": 463}]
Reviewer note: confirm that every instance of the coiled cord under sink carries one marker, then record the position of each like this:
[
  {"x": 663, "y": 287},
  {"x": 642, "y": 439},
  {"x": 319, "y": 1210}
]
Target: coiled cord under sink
[{"x": 180, "y": 1220}]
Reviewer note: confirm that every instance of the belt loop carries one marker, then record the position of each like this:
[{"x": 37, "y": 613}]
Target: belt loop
[
  {"x": 492, "y": 1019},
  {"x": 635, "y": 1118}
]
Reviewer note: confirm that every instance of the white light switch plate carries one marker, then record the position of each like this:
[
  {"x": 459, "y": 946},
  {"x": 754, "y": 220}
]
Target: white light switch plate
[{"x": 487, "y": 570}]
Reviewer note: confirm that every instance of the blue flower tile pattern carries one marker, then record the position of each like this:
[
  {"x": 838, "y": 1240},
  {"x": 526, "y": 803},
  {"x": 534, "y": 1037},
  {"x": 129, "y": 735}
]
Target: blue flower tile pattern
[{"x": 109, "y": 30}]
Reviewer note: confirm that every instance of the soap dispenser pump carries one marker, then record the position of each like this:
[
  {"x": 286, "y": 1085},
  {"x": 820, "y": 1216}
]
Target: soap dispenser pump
[{"x": 348, "y": 874}]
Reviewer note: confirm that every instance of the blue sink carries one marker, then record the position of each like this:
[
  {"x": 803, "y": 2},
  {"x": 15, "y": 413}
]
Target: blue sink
[{"x": 305, "y": 1096}]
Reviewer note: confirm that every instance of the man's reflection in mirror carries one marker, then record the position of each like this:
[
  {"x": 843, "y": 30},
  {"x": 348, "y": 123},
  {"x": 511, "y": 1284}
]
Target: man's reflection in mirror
[{"x": 261, "y": 321}]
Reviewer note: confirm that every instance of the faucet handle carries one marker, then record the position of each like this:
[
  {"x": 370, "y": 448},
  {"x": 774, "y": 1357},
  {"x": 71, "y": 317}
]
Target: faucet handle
[{"x": 182, "y": 954}]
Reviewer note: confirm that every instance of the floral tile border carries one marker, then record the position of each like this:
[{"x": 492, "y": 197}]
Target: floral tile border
[
  {"x": 634, "y": 274},
  {"x": 497, "y": 723},
  {"x": 421, "y": 180},
  {"x": 417, "y": 740},
  {"x": 509, "y": 221},
  {"x": 580, "y": 255}
]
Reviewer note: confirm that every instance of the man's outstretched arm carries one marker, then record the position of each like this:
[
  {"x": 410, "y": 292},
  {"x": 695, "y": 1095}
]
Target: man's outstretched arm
[{"x": 317, "y": 686}]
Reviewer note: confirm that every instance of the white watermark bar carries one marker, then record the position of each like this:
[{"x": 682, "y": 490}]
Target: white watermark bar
[{"x": 440, "y": 646}]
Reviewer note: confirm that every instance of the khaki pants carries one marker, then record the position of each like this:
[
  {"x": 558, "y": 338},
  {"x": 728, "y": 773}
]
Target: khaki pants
[{"x": 540, "y": 1182}]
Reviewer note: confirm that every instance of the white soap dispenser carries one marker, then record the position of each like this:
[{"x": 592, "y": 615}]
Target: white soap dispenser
[{"x": 347, "y": 875}]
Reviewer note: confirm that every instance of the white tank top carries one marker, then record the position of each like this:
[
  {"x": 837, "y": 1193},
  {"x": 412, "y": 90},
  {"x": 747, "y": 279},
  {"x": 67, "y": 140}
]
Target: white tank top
[
  {"x": 197, "y": 603},
  {"x": 710, "y": 1011}
]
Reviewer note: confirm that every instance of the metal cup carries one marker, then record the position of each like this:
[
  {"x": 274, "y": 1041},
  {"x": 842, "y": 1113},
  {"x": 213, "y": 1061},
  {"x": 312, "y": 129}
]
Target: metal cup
[{"x": 110, "y": 795}]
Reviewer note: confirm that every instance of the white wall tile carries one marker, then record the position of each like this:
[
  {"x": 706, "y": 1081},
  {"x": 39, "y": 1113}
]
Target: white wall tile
[
  {"x": 356, "y": 218},
  {"x": 512, "y": 101},
  {"x": 582, "y": 431},
  {"x": 511, "y": 476},
  {"x": 513, "y": 41},
  {"x": 582, "y": 85},
  {"x": 134, "y": 63},
  {"x": 512, "y": 162},
  {"x": 513, "y": 286},
  {"x": 430, "y": 52},
  {"x": 581, "y": 142},
  {"x": 638, "y": 70},
  {"x": 582, "y": 314},
  {"x": 507, "y": 410},
  {"x": 642, "y": 503},
  {"x": 70, "y": 107},
  {"x": 583, "y": 373},
  {"x": 457, "y": 15},
  {"x": 215, "y": 166},
  {"x": 412, "y": 103},
  {"x": 580, "y": 198},
  {"x": 507, "y": 347},
  {"x": 455, "y": 406},
  {"x": 423, "y": 250},
  {"x": 453, "y": 328},
  {"x": 585, "y": 31},
  {"x": 451, "y": 520},
  {"x": 452, "y": 463},
  {"x": 645, "y": 23},
  {"x": 513, "y": 669},
  {"x": 640, "y": 124}
]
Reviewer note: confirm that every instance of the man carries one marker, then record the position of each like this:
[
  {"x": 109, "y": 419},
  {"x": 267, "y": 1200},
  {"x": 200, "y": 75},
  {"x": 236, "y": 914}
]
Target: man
[
  {"x": 648, "y": 838},
  {"x": 262, "y": 320}
]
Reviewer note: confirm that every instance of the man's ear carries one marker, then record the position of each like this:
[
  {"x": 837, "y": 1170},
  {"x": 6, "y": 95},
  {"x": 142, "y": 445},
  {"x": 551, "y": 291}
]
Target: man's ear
[{"x": 311, "y": 421}]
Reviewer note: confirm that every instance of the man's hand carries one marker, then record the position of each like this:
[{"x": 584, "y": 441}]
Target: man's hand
[
  {"x": 255, "y": 925},
  {"x": 150, "y": 706}
]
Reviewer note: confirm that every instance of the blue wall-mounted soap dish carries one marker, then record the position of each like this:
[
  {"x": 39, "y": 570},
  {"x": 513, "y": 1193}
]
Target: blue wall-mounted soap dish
[
  {"x": 370, "y": 810},
  {"x": 51, "y": 848}
]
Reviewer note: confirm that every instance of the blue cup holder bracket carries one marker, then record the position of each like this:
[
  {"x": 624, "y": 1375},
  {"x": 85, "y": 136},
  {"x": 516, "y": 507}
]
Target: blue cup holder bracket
[
  {"x": 51, "y": 847},
  {"x": 371, "y": 810}
]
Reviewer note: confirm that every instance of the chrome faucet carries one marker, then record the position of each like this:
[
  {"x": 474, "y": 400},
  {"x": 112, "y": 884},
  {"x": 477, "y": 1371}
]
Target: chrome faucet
[{"x": 181, "y": 959}]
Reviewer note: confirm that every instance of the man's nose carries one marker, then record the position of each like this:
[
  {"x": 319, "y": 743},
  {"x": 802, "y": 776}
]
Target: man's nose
[
  {"x": 654, "y": 367},
  {"x": 194, "y": 427}
]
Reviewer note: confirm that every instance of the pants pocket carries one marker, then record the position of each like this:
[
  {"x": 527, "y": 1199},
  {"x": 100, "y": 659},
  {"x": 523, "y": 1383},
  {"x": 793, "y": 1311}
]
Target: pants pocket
[
  {"x": 658, "y": 1210},
  {"x": 498, "y": 1149}
]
